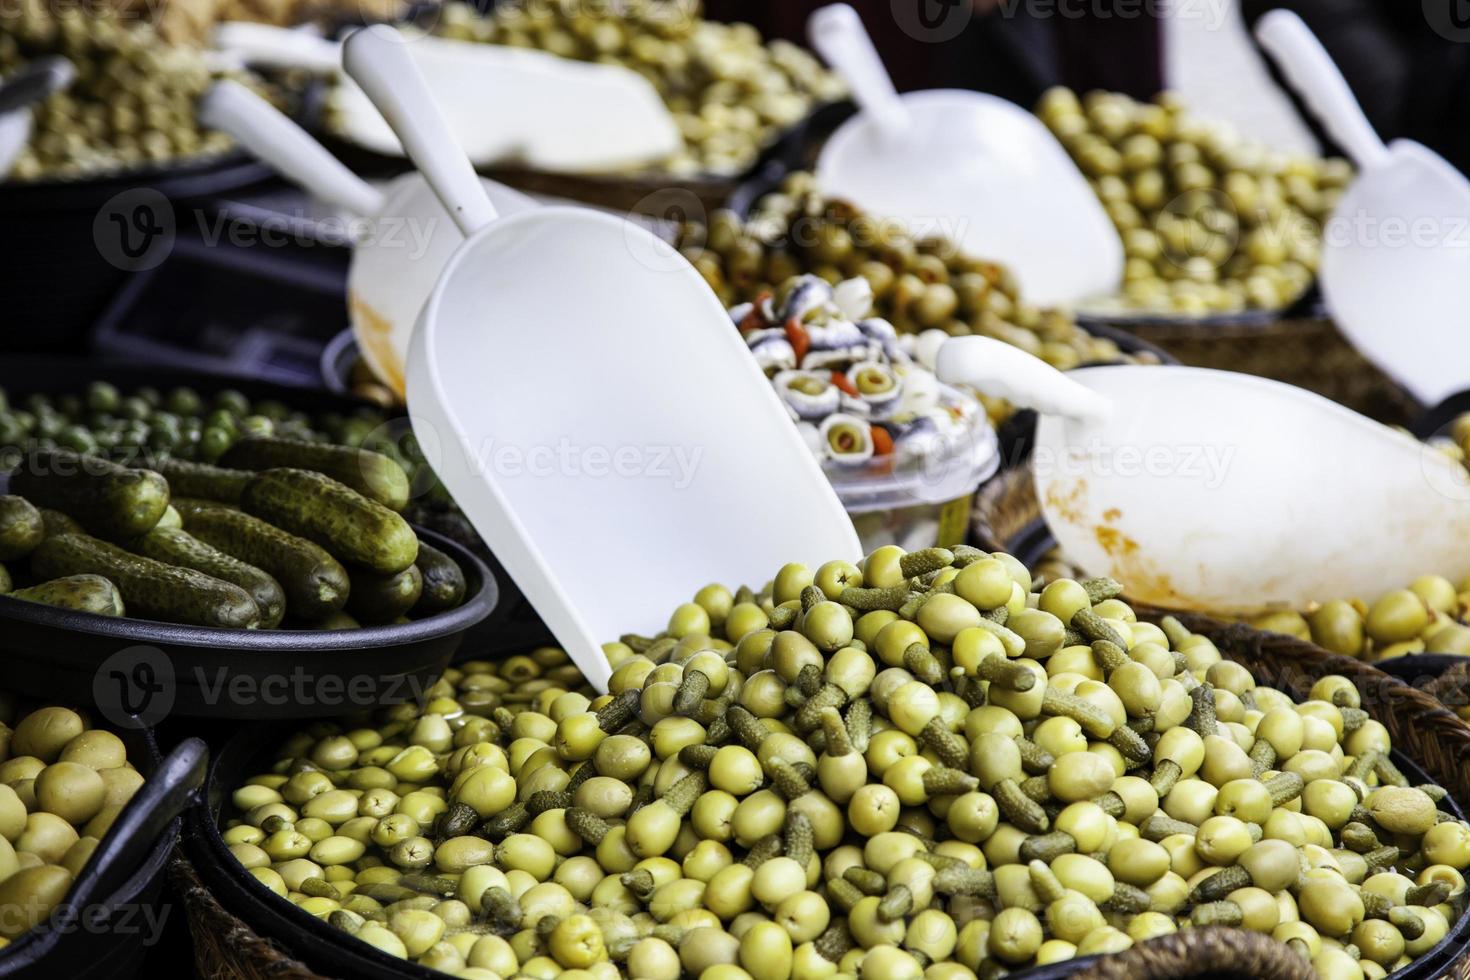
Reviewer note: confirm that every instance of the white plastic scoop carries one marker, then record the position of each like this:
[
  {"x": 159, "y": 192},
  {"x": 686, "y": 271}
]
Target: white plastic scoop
[
  {"x": 18, "y": 93},
  {"x": 970, "y": 167},
  {"x": 404, "y": 235},
  {"x": 1395, "y": 270},
  {"x": 581, "y": 393},
  {"x": 1222, "y": 492},
  {"x": 505, "y": 105}
]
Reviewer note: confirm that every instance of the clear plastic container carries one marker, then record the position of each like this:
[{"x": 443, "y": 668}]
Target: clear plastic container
[{"x": 918, "y": 501}]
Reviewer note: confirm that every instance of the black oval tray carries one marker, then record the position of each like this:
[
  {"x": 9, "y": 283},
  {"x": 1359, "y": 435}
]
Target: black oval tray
[{"x": 333, "y": 953}]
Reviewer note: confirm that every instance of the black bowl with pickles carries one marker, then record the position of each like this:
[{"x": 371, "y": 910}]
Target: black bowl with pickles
[{"x": 180, "y": 657}]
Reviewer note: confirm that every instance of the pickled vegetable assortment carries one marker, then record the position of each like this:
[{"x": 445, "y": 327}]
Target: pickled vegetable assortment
[
  {"x": 917, "y": 284},
  {"x": 730, "y": 93},
  {"x": 922, "y": 765},
  {"x": 857, "y": 395},
  {"x": 113, "y": 510},
  {"x": 62, "y": 785},
  {"x": 1211, "y": 223},
  {"x": 133, "y": 99}
]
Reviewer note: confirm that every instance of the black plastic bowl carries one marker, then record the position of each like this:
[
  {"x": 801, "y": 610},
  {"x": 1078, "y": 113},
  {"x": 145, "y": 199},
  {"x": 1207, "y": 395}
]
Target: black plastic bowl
[
  {"x": 127, "y": 910},
  {"x": 153, "y": 669},
  {"x": 332, "y": 953}
]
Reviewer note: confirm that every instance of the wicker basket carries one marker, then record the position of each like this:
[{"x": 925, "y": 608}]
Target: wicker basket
[{"x": 1308, "y": 352}]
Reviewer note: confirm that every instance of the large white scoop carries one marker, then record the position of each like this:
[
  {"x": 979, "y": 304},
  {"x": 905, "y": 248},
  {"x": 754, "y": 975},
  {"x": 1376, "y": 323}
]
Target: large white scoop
[
  {"x": 1215, "y": 491},
  {"x": 19, "y": 92},
  {"x": 1395, "y": 269},
  {"x": 505, "y": 105},
  {"x": 403, "y": 236},
  {"x": 971, "y": 167},
  {"x": 579, "y": 390}
]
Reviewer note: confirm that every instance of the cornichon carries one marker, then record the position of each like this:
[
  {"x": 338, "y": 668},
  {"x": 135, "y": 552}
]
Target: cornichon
[
  {"x": 371, "y": 474},
  {"x": 151, "y": 589},
  {"x": 201, "y": 480},
  {"x": 56, "y": 522},
  {"x": 378, "y": 599},
  {"x": 178, "y": 547},
  {"x": 444, "y": 584},
  {"x": 316, "y": 507},
  {"x": 315, "y": 583},
  {"x": 107, "y": 499},
  {"x": 6, "y": 584},
  {"x": 21, "y": 527},
  {"x": 79, "y": 593}
]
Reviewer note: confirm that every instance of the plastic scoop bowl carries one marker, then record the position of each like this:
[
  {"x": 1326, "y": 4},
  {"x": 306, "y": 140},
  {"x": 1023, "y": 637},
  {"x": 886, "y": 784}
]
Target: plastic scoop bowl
[
  {"x": 548, "y": 113},
  {"x": 407, "y": 236},
  {"x": 583, "y": 397},
  {"x": 1220, "y": 492},
  {"x": 970, "y": 167},
  {"x": 1395, "y": 269}
]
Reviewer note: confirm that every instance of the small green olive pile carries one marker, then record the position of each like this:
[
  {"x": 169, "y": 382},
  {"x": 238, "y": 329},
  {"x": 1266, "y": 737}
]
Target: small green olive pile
[
  {"x": 1211, "y": 223},
  {"x": 730, "y": 93},
  {"x": 133, "y": 100},
  {"x": 918, "y": 284},
  {"x": 922, "y": 766},
  {"x": 62, "y": 784}
]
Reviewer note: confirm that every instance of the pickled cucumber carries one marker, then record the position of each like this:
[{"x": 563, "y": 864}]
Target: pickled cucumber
[
  {"x": 178, "y": 547},
  {"x": 151, "y": 589},
  {"x": 371, "y": 474},
  {"x": 21, "y": 527},
  {"x": 109, "y": 500},
  {"x": 316, "y": 507},
  {"x": 200, "y": 480},
  {"x": 377, "y": 599},
  {"x": 79, "y": 593},
  {"x": 444, "y": 584},
  {"x": 315, "y": 583}
]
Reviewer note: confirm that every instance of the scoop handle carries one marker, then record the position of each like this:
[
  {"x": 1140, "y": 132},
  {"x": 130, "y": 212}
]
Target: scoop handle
[
  {"x": 378, "y": 59},
  {"x": 167, "y": 793},
  {"x": 1317, "y": 79},
  {"x": 838, "y": 34},
  {"x": 35, "y": 82},
  {"x": 266, "y": 132},
  {"x": 998, "y": 369},
  {"x": 278, "y": 47}
]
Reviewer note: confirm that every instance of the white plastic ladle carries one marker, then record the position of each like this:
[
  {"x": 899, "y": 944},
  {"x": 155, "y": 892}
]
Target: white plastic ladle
[
  {"x": 505, "y": 105},
  {"x": 1215, "y": 491},
  {"x": 582, "y": 395},
  {"x": 34, "y": 82},
  {"x": 970, "y": 167},
  {"x": 406, "y": 235},
  {"x": 1395, "y": 270}
]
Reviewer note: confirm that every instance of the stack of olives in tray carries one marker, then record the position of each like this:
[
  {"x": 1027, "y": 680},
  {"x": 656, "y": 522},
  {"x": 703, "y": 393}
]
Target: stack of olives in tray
[
  {"x": 62, "y": 784},
  {"x": 922, "y": 766},
  {"x": 918, "y": 283},
  {"x": 283, "y": 532},
  {"x": 1211, "y": 222},
  {"x": 1431, "y": 615},
  {"x": 730, "y": 93},
  {"x": 133, "y": 100}
]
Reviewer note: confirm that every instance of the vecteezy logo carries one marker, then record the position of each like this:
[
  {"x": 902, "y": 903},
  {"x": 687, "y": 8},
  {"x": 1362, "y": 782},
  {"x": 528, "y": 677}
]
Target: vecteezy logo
[
  {"x": 932, "y": 21},
  {"x": 1450, "y": 19},
  {"x": 135, "y": 687},
  {"x": 135, "y": 230}
]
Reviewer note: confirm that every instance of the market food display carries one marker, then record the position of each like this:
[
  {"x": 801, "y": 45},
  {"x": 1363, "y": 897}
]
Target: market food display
[
  {"x": 283, "y": 533},
  {"x": 921, "y": 763},
  {"x": 62, "y": 784},
  {"x": 730, "y": 92},
  {"x": 133, "y": 100},
  {"x": 917, "y": 284},
  {"x": 1211, "y": 222}
]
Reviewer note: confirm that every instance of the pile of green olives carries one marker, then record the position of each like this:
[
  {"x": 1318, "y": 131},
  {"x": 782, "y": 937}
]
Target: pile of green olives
[
  {"x": 919, "y": 283},
  {"x": 1211, "y": 223},
  {"x": 731, "y": 94},
  {"x": 923, "y": 765},
  {"x": 62, "y": 784},
  {"x": 133, "y": 100},
  {"x": 1430, "y": 616}
]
